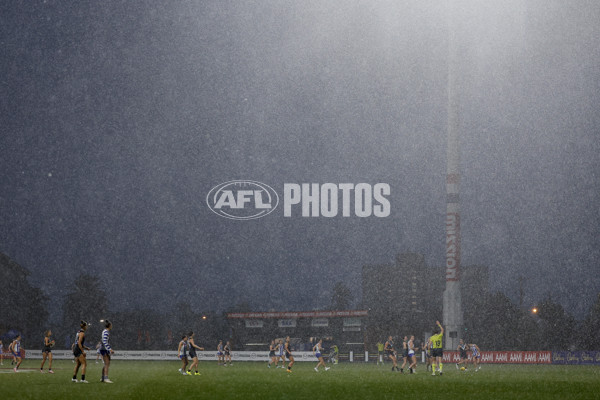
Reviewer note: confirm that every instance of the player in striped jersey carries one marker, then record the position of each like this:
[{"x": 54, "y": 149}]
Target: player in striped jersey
[
  {"x": 106, "y": 350},
  {"x": 182, "y": 354},
  {"x": 280, "y": 353},
  {"x": 15, "y": 348},
  {"x": 220, "y": 355},
  {"x": 317, "y": 349},
  {"x": 411, "y": 355},
  {"x": 475, "y": 356}
]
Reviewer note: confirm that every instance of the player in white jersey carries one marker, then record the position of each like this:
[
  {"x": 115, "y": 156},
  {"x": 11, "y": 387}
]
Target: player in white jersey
[
  {"x": 220, "y": 353},
  {"x": 15, "y": 348},
  {"x": 317, "y": 351},
  {"x": 475, "y": 356},
  {"x": 411, "y": 355},
  {"x": 281, "y": 353},
  {"x": 182, "y": 354},
  {"x": 106, "y": 350}
]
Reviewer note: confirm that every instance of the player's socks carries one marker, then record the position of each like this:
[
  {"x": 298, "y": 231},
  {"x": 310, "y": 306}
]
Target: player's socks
[{"x": 441, "y": 365}]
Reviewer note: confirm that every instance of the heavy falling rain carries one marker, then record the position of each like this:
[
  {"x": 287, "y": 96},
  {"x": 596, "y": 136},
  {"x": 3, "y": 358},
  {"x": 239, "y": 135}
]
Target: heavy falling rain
[{"x": 339, "y": 170}]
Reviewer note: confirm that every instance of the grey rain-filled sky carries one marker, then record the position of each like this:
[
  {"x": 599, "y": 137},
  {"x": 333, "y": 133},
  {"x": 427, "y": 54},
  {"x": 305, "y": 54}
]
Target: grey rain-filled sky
[{"x": 118, "y": 117}]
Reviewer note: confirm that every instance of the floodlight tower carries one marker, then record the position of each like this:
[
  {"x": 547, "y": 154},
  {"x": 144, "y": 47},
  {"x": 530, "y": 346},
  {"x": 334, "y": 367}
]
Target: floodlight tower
[{"x": 452, "y": 315}]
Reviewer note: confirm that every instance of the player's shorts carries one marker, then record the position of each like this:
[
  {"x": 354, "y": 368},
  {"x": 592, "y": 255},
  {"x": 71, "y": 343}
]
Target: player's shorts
[
  {"x": 46, "y": 351},
  {"x": 104, "y": 352},
  {"x": 318, "y": 355},
  {"x": 219, "y": 353},
  {"x": 183, "y": 356},
  {"x": 288, "y": 355},
  {"x": 77, "y": 351},
  {"x": 193, "y": 353},
  {"x": 227, "y": 353},
  {"x": 405, "y": 353},
  {"x": 463, "y": 355},
  {"x": 437, "y": 352},
  {"x": 272, "y": 354},
  {"x": 411, "y": 353}
]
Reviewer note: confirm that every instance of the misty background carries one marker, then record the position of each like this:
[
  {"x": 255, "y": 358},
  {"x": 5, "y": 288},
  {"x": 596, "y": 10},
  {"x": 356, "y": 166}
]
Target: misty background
[{"x": 118, "y": 117}]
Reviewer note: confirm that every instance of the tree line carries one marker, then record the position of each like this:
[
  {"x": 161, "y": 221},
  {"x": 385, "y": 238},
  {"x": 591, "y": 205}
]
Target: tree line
[{"x": 494, "y": 322}]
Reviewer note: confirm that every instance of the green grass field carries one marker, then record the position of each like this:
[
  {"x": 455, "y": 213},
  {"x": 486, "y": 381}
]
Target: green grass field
[{"x": 248, "y": 380}]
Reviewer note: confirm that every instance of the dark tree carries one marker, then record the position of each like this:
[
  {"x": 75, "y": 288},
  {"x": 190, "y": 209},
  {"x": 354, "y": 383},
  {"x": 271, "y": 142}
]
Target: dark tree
[
  {"x": 589, "y": 334},
  {"x": 342, "y": 297},
  {"x": 23, "y": 306},
  {"x": 557, "y": 326},
  {"x": 494, "y": 325},
  {"x": 86, "y": 302}
]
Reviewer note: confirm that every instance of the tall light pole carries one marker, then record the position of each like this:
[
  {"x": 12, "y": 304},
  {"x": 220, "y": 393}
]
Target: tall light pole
[{"x": 452, "y": 314}]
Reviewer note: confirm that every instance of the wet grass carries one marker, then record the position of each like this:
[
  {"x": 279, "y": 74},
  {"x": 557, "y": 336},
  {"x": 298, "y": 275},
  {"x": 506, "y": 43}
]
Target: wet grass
[{"x": 160, "y": 380}]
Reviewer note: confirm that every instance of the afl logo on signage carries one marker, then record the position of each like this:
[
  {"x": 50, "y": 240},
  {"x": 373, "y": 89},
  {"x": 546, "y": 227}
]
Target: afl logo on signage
[{"x": 242, "y": 199}]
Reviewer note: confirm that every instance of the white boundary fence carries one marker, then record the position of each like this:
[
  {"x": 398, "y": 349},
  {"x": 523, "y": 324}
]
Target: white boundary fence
[{"x": 171, "y": 355}]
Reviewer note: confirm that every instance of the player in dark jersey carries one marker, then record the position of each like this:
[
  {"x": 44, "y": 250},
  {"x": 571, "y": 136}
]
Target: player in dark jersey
[
  {"x": 79, "y": 352},
  {"x": 272, "y": 356},
  {"x": 462, "y": 352},
  {"x": 227, "y": 352},
  {"x": 404, "y": 354},
  {"x": 192, "y": 352},
  {"x": 47, "y": 351},
  {"x": 288, "y": 353},
  {"x": 391, "y": 353}
]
